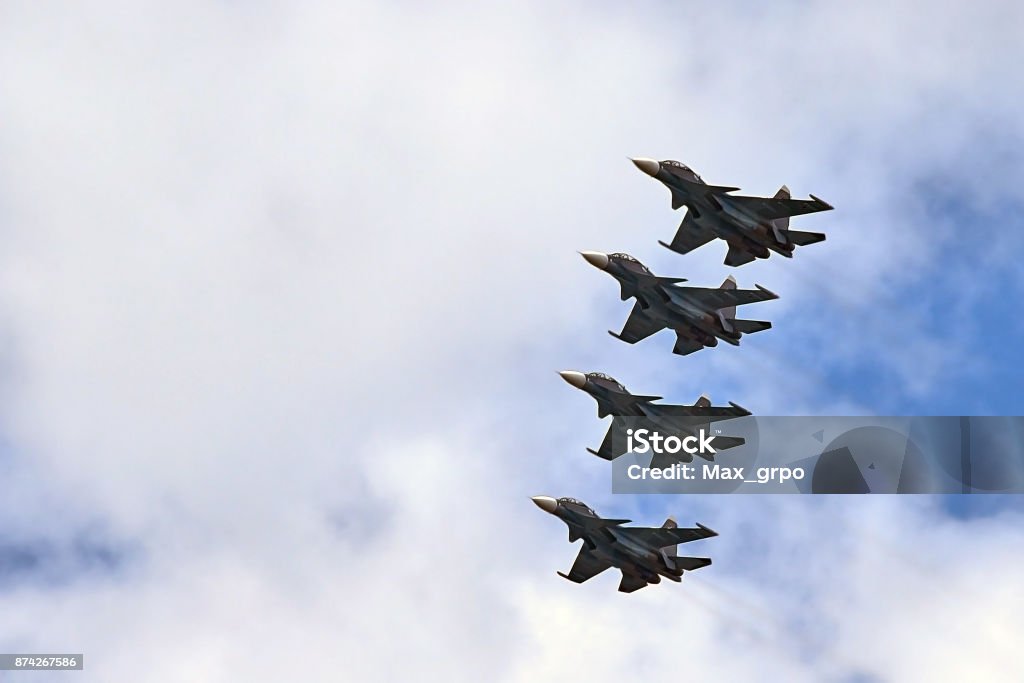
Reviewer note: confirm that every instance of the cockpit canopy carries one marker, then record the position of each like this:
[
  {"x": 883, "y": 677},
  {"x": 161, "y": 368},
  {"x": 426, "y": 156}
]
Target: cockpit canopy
[
  {"x": 573, "y": 501},
  {"x": 600, "y": 376},
  {"x": 684, "y": 170},
  {"x": 631, "y": 260}
]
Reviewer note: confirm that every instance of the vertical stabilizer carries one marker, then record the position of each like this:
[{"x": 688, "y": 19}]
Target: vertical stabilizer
[
  {"x": 672, "y": 549},
  {"x": 730, "y": 312},
  {"x": 779, "y": 225}
]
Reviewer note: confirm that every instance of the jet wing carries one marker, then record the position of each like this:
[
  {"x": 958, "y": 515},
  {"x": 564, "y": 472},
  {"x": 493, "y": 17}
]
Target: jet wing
[
  {"x": 586, "y": 566},
  {"x": 717, "y": 299},
  {"x": 770, "y": 208},
  {"x": 661, "y": 537},
  {"x": 616, "y": 434},
  {"x": 701, "y": 411},
  {"x": 638, "y": 326},
  {"x": 719, "y": 443},
  {"x": 689, "y": 236},
  {"x": 607, "y": 450}
]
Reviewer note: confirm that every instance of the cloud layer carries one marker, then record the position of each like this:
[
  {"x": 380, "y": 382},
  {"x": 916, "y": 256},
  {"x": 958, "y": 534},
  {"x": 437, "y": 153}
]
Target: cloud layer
[{"x": 283, "y": 289}]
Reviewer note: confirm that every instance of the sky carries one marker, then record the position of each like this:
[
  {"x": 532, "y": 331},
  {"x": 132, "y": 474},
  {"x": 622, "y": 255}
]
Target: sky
[{"x": 284, "y": 288}]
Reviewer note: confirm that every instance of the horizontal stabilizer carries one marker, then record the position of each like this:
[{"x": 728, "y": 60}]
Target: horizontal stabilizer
[
  {"x": 750, "y": 326},
  {"x": 684, "y": 346},
  {"x": 740, "y": 409},
  {"x": 821, "y": 201},
  {"x": 724, "y": 443},
  {"x": 738, "y": 256},
  {"x": 603, "y": 456},
  {"x": 631, "y": 583},
  {"x": 691, "y": 563},
  {"x": 803, "y": 238},
  {"x": 707, "y": 530}
]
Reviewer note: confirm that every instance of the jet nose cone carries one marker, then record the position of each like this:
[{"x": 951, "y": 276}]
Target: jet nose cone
[
  {"x": 577, "y": 379},
  {"x": 596, "y": 259},
  {"x": 545, "y": 503},
  {"x": 648, "y": 166}
]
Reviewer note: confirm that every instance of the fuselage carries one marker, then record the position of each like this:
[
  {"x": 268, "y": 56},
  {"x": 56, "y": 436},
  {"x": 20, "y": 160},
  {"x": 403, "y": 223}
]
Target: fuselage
[
  {"x": 670, "y": 304},
  {"x": 729, "y": 220},
  {"x": 621, "y": 550},
  {"x": 757, "y": 238},
  {"x": 684, "y": 317}
]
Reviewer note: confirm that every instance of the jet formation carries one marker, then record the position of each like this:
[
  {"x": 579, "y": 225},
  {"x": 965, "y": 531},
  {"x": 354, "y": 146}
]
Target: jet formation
[
  {"x": 752, "y": 226},
  {"x": 641, "y": 412},
  {"x": 642, "y": 554},
  {"x": 699, "y": 316}
]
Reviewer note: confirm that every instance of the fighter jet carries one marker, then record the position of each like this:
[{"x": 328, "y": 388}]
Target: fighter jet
[
  {"x": 698, "y": 316},
  {"x": 632, "y": 411},
  {"x": 753, "y": 226},
  {"x": 642, "y": 554}
]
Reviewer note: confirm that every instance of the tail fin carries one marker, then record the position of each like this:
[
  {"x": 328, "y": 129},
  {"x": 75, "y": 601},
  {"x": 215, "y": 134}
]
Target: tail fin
[
  {"x": 730, "y": 312},
  {"x": 750, "y": 326},
  {"x": 703, "y": 402},
  {"x": 782, "y": 223},
  {"x": 803, "y": 238},
  {"x": 672, "y": 549}
]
